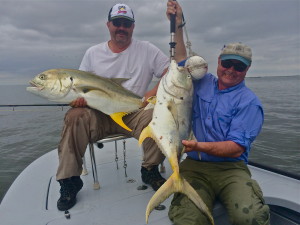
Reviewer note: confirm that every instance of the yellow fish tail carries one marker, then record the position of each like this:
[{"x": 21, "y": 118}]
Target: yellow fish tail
[
  {"x": 176, "y": 183},
  {"x": 146, "y": 132},
  {"x": 117, "y": 117}
]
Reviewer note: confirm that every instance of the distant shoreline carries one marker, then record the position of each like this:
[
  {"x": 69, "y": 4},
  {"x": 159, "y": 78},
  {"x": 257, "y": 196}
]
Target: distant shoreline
[
  {"x": 272, "y": 76},
  {"x": 156, "y": 79}
]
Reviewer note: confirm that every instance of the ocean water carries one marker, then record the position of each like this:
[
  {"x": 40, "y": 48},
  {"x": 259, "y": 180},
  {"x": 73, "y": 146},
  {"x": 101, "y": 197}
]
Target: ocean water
[{"x": 26, "y": 133}]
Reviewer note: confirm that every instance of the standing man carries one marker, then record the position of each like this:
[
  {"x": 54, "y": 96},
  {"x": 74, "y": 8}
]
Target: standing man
[
  {"x": 227, "y": 117},
  {"x": 120, "y": 57}
]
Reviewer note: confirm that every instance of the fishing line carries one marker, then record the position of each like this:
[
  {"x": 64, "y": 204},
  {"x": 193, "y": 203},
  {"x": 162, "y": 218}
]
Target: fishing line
[{"x": 172, "y": 33}]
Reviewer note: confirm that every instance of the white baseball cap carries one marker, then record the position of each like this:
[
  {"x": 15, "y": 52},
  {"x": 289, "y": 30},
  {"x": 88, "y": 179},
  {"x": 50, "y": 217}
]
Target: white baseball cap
[{"x": 121, "y": 10}]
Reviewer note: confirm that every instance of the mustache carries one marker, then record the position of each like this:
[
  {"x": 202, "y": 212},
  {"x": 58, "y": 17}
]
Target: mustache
[{"x": 121, "y": 32}]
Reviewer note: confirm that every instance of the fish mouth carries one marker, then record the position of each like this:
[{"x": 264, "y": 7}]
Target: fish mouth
[{"x": 35, "y": 86}]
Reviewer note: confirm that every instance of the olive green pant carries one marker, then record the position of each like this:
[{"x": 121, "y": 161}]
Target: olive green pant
[
  {"x": 85, "y": 125},
  {"x": 228, "y": 182}
]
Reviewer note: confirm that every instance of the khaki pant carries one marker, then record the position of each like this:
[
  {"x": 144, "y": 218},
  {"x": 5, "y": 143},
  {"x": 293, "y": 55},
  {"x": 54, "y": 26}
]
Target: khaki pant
[
  {"x": 230, "y": 183},
  {"x": 84, "y": 125}
]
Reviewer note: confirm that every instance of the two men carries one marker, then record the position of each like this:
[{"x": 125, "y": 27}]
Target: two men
[{"x": 227, "y": 117}]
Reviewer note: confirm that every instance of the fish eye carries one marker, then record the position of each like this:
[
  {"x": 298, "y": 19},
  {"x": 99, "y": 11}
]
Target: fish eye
[{"x": 42, "y": 77}]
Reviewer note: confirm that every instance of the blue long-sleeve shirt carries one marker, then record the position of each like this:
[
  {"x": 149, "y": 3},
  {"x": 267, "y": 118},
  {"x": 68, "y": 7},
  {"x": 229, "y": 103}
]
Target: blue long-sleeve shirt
[{"x": 234, "y": 114}]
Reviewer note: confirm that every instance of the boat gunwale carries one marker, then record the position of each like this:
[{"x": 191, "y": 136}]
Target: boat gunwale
[{"x": 274, "y": 170}]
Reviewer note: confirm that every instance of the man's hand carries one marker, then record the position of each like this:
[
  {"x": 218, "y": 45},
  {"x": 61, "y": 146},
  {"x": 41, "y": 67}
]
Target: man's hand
[
  {"x": 78, "y": 103},
  {"x": 174, "y": 8},
  {"x": 153, "y": 91},
  {"x": 189, "y": 145},
  {"x": 147, "y": 95}
]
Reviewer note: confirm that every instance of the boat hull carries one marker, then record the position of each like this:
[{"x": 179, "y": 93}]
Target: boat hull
[{"x": 33, "y": 195}]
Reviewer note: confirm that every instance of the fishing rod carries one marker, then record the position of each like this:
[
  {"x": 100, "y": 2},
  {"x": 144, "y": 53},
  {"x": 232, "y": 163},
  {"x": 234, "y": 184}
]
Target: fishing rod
[
  {"x": 172, "y": 32},
  {"x": 18, "y": 105},
  {"x": 31, "y": 105}
]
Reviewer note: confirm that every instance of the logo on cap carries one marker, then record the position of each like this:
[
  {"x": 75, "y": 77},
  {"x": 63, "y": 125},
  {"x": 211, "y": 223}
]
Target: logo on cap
[{"x": 122, "y": 9}]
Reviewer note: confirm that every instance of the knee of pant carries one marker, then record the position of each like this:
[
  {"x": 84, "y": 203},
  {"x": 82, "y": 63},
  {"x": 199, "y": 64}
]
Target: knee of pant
[
  {"x": 250, "y": 215},
  {"x": 185, "y": 217},
  {"x": 183, "y": 212},
  {"x": 75, "y": 113},
  {"x": 146, "y": 117}
]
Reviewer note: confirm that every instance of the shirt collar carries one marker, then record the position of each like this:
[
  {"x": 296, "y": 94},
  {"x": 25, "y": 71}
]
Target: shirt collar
[{"x": 236, "y": 87}]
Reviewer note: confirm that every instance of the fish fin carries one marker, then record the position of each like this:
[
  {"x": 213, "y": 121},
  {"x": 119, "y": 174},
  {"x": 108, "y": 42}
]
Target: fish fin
[
  {"x": 146, "y": 132},
  {"x": 152, "y": 100},
  {"x": 173, "y": 110},
  {"x": 160, "y": 195},
  {"x": 119, "y": 81},
  {"x": 90, "y": 90},
  {"x": 190, "y": 137},
  {"x": 176, "y": 183},
  {"x": 149, "y": 106},
  {"x": 117, "y": 117}
]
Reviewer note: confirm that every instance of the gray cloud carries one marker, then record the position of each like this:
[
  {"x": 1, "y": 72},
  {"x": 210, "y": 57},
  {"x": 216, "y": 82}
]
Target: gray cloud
[{"x": 39, "y": 35}]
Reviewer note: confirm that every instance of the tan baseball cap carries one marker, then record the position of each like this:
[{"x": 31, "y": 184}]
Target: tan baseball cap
[{"x": 237, "y": 51}]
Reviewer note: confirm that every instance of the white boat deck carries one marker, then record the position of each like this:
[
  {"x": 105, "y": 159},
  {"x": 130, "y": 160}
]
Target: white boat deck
[{"x": 32, "y": 197}]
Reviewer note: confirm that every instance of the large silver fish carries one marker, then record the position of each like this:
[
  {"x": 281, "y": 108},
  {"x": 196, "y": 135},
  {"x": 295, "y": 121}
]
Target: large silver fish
[
  {"x": 104, "y": 94},
  {"x": 171, "y": 123}
]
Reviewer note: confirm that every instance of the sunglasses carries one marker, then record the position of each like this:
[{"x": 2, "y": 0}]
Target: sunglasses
[
  {"x": 120, "y": 22},
  {"x": 238, "y": 66}
]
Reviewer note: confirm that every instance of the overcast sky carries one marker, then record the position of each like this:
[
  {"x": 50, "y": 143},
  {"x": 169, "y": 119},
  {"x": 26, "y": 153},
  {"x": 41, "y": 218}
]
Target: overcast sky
[{"x": 45, "y": 34}]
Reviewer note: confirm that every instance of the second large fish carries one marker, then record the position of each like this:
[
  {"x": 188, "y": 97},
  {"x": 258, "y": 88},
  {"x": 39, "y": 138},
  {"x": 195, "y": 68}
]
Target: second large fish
[
  {"x": 171, "y": 123},
  {"x": 104, "y": 94}
]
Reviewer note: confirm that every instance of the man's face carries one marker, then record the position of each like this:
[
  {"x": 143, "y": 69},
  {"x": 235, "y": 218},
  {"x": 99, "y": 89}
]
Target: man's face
[
  {"x": 230, "y": 73},
  {"x": 121, "y": 30}
]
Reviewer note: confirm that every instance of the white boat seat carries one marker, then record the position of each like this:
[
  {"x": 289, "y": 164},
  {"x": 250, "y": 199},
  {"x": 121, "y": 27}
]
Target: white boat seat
[{"x": 99, "y": 143}]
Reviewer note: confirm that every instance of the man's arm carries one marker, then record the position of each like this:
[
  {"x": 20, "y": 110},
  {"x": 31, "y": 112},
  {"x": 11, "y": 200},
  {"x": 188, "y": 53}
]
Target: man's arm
[
  {"x": 153, "y": 91},
  {"x": 180, "y": 51},
  {"x": 219, "y": 149}
]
